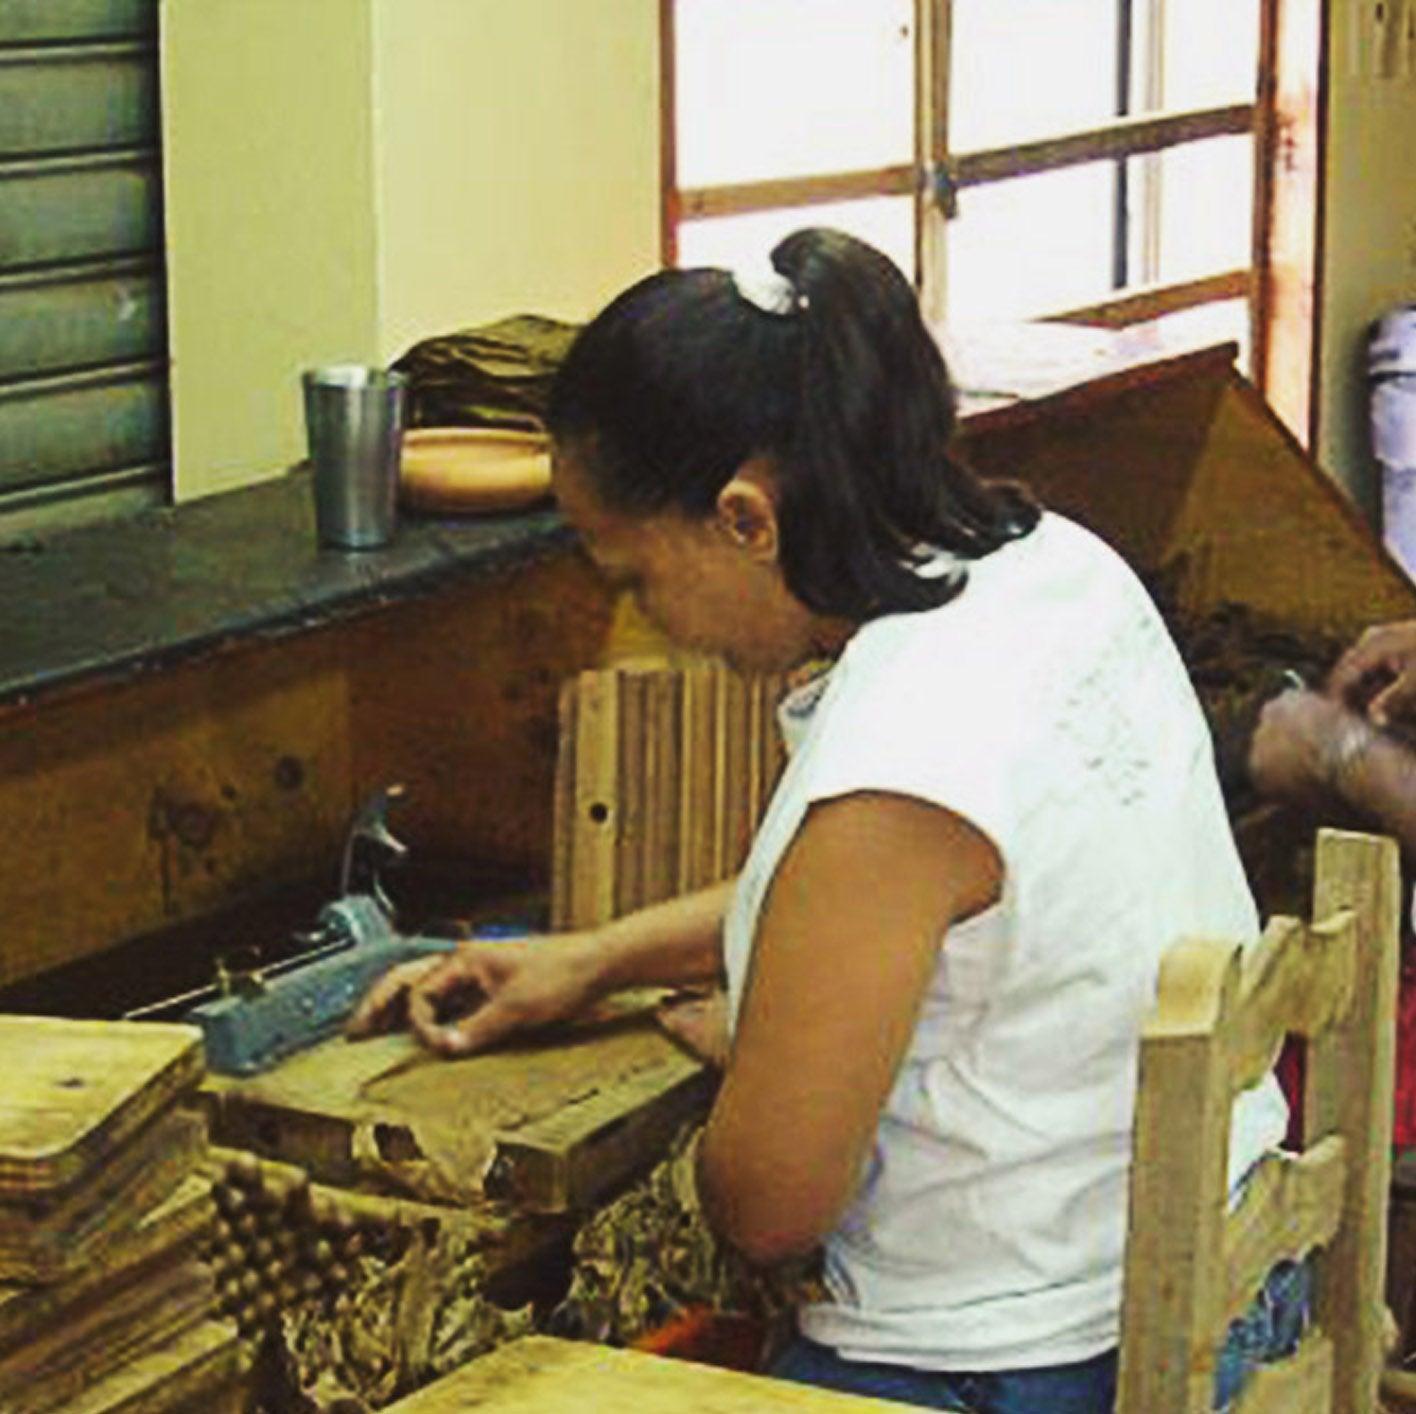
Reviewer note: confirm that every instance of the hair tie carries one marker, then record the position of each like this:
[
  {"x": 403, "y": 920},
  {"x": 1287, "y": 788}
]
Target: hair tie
[{"x": 769, "y": 290}]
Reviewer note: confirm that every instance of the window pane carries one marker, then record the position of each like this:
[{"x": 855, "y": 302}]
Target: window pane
[
  {"x": 745, "y": 242},
  {"x": 1023, "y": 69},
  {"x": 1204, "y": 209},
  {"x": 1211, "y": 53},
  {"x": 1030, "y": 246},
  {"x": 787, "y": 88}
]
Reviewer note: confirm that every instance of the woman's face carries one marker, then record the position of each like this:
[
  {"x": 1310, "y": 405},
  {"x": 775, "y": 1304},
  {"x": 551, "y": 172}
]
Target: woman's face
[{"x": 712, "y": 585}]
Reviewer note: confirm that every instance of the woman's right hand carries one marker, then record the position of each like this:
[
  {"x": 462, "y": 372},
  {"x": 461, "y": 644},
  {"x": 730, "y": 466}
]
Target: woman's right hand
[
  {"x": 1377, "y": 675},
  {"x": 482, "y": 992}
]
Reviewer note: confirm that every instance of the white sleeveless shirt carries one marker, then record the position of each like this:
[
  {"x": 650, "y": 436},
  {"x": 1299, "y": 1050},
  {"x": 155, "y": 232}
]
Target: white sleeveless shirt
[{"x": 1048, "y": 706}]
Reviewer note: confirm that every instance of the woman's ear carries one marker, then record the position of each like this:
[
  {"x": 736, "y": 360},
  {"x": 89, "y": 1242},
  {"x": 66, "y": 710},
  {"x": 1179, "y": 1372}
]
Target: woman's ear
[{"x": 747, "y": 512}]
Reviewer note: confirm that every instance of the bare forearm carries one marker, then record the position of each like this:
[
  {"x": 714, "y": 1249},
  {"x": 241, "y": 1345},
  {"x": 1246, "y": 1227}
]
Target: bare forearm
[{"x": 672, "y": 943}]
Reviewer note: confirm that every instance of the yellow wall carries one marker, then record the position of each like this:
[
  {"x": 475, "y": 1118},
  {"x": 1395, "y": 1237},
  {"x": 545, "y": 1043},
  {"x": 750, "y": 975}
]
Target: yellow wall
[
  {"x": 268, "y": 155},
  {"x": 518, "y": 158},
  {"x": 346, "y": 176},
  {"x": 1370, "y": 241}
]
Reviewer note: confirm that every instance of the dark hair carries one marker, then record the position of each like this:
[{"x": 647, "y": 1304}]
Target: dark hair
[{"x": 682, "y": 378}]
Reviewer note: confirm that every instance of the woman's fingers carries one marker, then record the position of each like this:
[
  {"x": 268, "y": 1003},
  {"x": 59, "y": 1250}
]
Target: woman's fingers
[
  {"x": 492, "y": 1021},
  {"x": 382, "y": 1003},
  {"x": 1383, "y": 652},
  {"x": 701, "y": 1024},
  {"x": 1396, "y": 702}
]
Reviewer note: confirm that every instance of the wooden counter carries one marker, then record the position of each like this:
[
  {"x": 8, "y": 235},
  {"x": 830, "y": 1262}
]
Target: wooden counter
[{"x": 193, "y": 704}]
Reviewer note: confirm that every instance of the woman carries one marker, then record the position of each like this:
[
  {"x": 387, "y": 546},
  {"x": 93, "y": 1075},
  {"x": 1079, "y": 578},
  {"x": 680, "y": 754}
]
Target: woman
[{"x": 1000, "y": 808}]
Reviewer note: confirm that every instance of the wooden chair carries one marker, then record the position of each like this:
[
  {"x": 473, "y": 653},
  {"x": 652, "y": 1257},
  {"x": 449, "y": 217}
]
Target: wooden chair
[{"x": 1192, "y": 1265}]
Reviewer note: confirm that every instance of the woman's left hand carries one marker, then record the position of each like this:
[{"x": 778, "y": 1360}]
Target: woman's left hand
[
  {"x": 1298, "y": 745},
  {"x": 700, "y": 1023}
]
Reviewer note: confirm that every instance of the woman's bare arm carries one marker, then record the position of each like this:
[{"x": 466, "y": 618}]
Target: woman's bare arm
[{"x": 847, "y": 943}]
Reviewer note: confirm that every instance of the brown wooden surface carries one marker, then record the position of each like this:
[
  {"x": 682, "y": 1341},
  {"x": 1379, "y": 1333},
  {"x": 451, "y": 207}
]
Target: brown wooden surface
[
  {"x": 53, "y": 1239},
  {"x": 1137, "y": 305},
  {"x": 1289, "y": 213},
  {"x": 197, "y": 1371},
  {"x": 168, "y": 1230},
  {"x": 1349, "y": 1090},
  {"x": 1151, "y": 132},
  {"x": 1204, "y": 483},
  {"x": 538, "y": 1375},
  {"x": 76, "y": 1090},
  {"x": 664, "y": 775},
  {"x": 1192, "y": 1265},
  {"x": 155, "y": 802},
  {"x": 54, "y": 1369},
  {"x": 586, "y": 1105}
]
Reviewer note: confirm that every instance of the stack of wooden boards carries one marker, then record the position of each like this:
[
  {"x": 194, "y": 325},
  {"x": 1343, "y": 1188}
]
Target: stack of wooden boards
[
  {"x": 105, "y": 1303},
  {"x": 662, "y": 777}
]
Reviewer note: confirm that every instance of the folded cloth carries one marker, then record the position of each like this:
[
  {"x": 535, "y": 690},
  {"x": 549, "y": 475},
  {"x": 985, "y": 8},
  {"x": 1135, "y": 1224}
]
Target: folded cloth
[{"x": 493, "y": 375}]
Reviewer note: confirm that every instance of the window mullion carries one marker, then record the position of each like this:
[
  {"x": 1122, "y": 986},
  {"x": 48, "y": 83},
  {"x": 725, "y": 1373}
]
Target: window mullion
[{"x": 933, "y": 31}]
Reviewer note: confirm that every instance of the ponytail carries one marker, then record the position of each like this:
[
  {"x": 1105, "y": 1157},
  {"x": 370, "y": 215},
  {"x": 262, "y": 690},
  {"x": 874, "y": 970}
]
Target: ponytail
[{"x": 833, "y": 376}]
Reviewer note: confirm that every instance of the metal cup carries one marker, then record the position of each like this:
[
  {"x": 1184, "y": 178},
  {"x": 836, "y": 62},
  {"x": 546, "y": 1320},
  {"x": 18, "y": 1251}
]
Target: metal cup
[{"x": 354, "y": 419}]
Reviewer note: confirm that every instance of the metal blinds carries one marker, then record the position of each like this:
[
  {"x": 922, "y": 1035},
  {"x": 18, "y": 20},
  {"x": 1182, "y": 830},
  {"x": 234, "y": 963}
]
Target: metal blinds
[{"x": 83, "y": 343}]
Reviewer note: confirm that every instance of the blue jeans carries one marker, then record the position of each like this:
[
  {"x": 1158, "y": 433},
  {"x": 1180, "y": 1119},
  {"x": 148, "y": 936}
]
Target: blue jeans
[
  {"x": 1269, "y": 1330},
  {"x": 1085, "y": 1388}
]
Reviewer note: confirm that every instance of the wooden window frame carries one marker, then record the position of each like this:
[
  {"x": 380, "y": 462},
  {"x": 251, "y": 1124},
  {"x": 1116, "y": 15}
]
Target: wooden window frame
[{"x": 1284, "y": 120}]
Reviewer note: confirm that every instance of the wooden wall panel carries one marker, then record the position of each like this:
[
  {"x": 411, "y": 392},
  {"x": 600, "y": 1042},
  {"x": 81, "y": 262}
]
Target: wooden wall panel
[
  {"x": 151, "y": 803},
  {"x": 456, "y": 698},
  {"x": 139, "y": 806}
]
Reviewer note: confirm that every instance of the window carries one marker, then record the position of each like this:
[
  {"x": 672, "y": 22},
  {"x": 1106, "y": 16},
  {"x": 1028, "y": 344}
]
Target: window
[{"x": 1101, "y": 161}]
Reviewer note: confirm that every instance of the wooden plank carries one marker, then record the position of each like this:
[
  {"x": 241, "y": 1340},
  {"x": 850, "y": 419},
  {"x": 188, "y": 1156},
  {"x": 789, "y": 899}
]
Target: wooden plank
[
  {"x": 1289, "y": 213},
  {"x": 168, "y": 1229},
  {"x": 76, "y": 1090},
  {"x": 1177, "y": 1200},
  {"x": 774, "y": 193},
  {"x": 1291, "y": 1205},
  {"x": 1139, "y": 305},
  {"x": 1296, "y": 981},
  {"x": 1299, "y": 1383},
  {"x": 539, "y": 1375},
  {"x": 596, "y": 788},
  {"x": 696, "y": 822},
  {"x": 196, "y": 1370},
  {"x": 569, "y": 1160},
  {"x": 52, "y": 1370},
  {"x": 1349, "y": 1091},
  {"x": 49, "y": 1241},
  {"x": 628, "y": 807},
  {"x": 563, "y": 810},
  {"x": 1123, "y": 138},
  {"x": 668, "y": 137},
  {"x": 664, "y": 765},
  {"x": 386, "y": 1112}
]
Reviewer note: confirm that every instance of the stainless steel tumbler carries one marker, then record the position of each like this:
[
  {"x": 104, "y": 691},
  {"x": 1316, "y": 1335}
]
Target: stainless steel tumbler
[{"x": 354, "y": 419}]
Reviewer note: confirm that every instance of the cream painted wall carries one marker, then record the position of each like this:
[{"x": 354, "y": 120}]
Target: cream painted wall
[
  {"x": 346, "y": 176},
  {"x": 269, "y": 192},
  {"x": 1369, "y": 261},
  {"x": 518, "y": 158}
]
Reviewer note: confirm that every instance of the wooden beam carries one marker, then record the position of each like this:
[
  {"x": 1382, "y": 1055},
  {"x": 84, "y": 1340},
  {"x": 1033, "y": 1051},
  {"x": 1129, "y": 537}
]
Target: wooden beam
[
  {"x": 1137, "y": 306},
  {"x": 1126, "y": 138},
  {"x": 1289, "y": 214},
  {"x": 741, "y": 197},
  {"x": 668, "y": 136}
]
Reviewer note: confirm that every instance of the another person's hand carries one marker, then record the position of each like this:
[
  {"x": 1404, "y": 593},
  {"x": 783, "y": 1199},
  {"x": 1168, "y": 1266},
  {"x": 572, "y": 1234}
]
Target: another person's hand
[
  {"x": 1300, "y": 746},
  {"x": 482, "y": 992},
  {"x": 1377, "y": 675},
  {"x": 699, "y": 1022}
]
